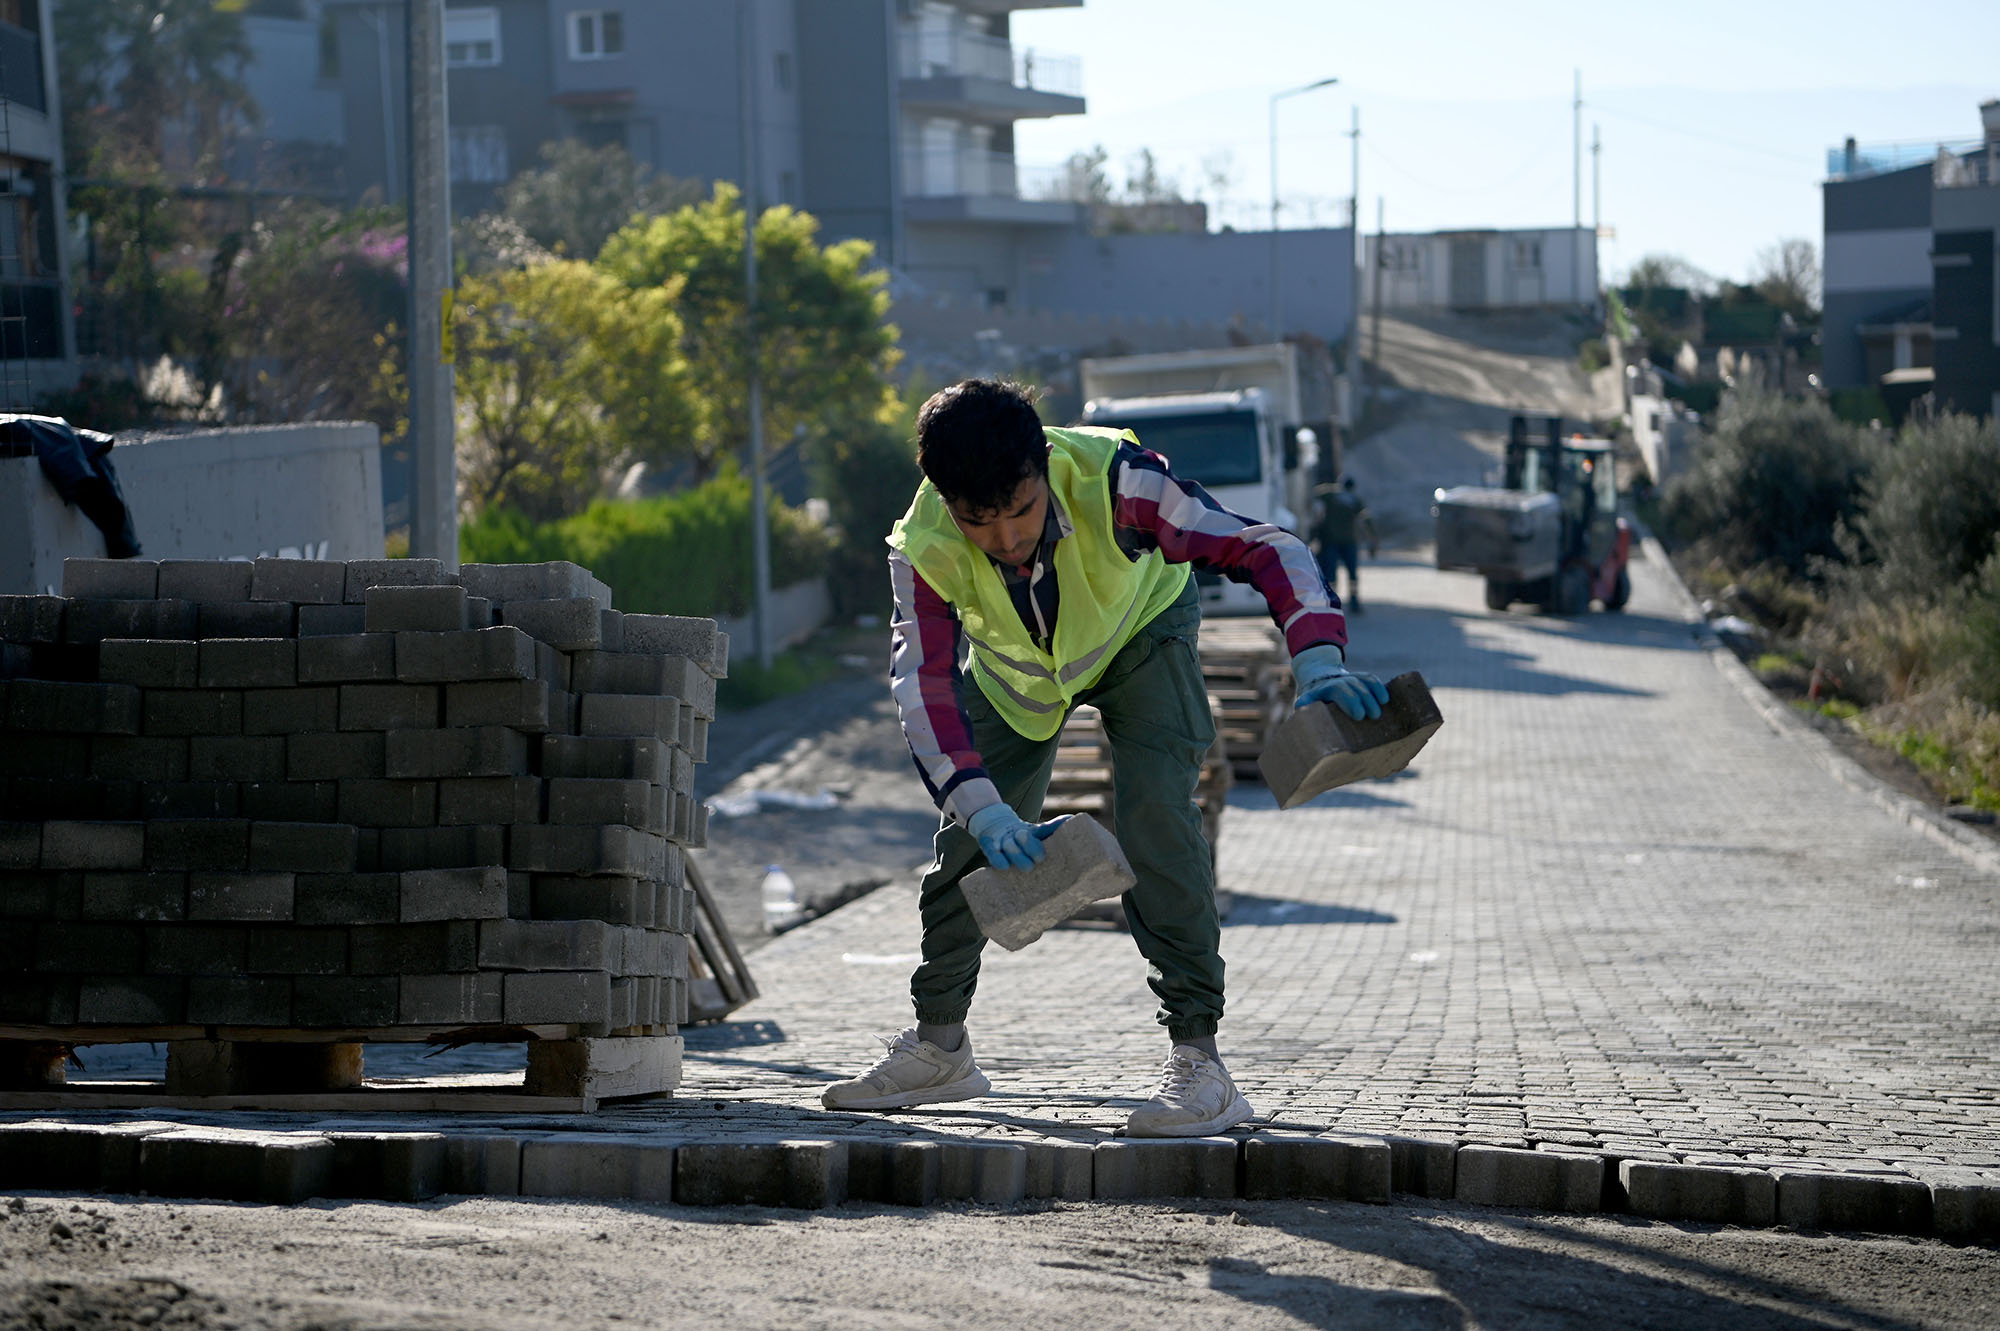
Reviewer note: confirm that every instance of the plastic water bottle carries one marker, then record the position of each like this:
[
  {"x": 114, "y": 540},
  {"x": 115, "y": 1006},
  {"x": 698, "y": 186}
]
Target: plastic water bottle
[{"x": 781, "y": 899}]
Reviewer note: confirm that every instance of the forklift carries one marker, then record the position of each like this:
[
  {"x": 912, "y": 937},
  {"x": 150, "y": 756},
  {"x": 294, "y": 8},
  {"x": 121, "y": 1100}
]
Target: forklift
[
  {"x": 1552, "y": 537},
  {"x": 1594, "y": 543}
]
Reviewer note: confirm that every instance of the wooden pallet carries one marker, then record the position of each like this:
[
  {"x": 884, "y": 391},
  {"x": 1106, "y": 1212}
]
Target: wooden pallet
[
  {"x": 470, "y": 1093},
  {"x": 1081, "y": 783},
  {"x": 718, "y": 979},
  {"x": 301, "y": 1070},
  {"x": 1248, "y": 673}
]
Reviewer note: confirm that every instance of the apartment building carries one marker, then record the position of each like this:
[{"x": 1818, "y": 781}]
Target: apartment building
[
  {"x": 36, "y": 336},
  {"x": 1910, "y": 235},
  {"x": 891, "y": 120}
]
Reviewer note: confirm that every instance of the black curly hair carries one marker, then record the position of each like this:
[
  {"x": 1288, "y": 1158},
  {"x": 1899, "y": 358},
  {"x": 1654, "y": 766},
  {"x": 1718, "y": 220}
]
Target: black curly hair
[{"x": 978, "y": 440}]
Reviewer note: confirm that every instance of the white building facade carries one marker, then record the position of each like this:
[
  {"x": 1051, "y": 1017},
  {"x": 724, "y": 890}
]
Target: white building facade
[{"x": 1554, "y": 267}]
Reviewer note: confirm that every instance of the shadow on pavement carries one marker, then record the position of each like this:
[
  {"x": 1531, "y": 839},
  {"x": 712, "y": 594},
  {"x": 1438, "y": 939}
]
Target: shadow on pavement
[
  {"x": 1257, "y": 911},
  {"x": 1481, "y": 1282},
  {"x": 1446, "y": 647},
  {"x": 733, "y": 1034},
  {"x": 1259, "y": 797}
]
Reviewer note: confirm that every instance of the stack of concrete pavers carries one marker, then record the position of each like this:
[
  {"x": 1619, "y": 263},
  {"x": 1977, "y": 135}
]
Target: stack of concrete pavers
[{"x": 374, "y": 798}]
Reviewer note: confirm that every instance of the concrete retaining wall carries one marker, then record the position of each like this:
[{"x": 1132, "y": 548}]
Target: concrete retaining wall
[
  {"x": 797, "y": 612},
  {"x": 297, "y": 491}
]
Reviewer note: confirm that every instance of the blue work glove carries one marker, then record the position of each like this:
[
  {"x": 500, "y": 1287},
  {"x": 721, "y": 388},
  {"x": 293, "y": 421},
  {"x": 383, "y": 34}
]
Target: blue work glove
[
  {"x": 1009, "y": 842},
  {"x": 1322, "y": 676}
]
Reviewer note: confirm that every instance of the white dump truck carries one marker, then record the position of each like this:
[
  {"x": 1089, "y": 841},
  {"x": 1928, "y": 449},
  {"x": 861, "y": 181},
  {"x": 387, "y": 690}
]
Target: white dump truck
[{"x": 1232, "y": 418}]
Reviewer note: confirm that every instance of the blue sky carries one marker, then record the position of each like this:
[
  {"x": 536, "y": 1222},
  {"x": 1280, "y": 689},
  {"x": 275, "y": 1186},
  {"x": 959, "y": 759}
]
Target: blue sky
[{"x": 1715, "y": 118}]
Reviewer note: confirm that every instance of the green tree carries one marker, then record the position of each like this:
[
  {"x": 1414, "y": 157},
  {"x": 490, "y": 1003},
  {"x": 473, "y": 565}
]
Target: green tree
[
  {"x": 309, "y": 315},
  {"x": 1930, "y": 508},
  {"x": 1771, "y": 484},
  {"x": 1084, "y": 178},
  {"x": 580, "y": 195},
  {"x": 565, "y": 377},
  {"x": 1787, "y": 275},
  {"x": 152, "y": 88},
  {"x": 1658, "y": 272},
  {"x": 824, "y": 352}
]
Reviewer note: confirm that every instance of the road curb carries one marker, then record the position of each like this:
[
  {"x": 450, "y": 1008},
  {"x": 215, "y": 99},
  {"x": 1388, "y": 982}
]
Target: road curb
[
  {"x": 1962, "y": 842},
  {"x": 430, "y": 1160}
]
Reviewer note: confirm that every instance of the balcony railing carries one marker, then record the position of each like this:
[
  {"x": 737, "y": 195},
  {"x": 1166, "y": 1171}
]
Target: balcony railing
[
  {"x": 1874, "y": 159},
  {"x": 21, "y": 68},
  {"x": 946, "y": 173},
  {"x": 1967, "y": 170},
  {"x": 925, "y": 54}
]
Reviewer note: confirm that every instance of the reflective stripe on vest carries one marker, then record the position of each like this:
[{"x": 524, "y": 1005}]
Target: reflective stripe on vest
[{"x": 1106, "y": 597}]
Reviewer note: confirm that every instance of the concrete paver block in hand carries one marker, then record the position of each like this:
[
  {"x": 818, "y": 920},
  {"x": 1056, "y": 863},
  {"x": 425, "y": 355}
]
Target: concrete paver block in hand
[
  {"x": 1083, "y": 864},
  {"x": 1319, "y": 747}
]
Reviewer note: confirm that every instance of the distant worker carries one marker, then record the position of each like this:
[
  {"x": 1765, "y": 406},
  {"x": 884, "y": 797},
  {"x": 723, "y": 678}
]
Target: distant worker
[
  {"x": 1038, "y": 569},
  {"x": 1341, "y": 520}
]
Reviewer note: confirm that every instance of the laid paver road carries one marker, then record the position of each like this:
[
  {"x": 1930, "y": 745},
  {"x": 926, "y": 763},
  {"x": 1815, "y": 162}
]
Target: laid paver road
[{"x": 1610, "y": 907}]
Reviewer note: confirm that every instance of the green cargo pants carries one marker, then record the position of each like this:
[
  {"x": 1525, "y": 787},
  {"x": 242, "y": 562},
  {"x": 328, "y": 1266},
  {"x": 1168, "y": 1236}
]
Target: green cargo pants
[{"x": 1156, "y": 716}]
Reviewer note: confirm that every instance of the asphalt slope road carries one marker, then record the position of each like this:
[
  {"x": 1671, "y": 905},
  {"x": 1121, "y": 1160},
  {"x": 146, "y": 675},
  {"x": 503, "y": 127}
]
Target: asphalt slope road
[
  {"x": 71, "y": 1263},
  {"x": 1452, "y": 383}
]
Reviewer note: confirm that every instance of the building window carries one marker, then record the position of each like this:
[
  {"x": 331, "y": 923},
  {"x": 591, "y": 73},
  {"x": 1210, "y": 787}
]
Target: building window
[
  {"x": 478, "y": 154},
  {"x": 471, "y": 38},
  {"x": 781, "y": 70},
  {"x": 1527, "y": 255},
  {"x": 788, "y": 188},
  {"x": 1401, "y": 256},
  {"x": 596, "y": 34},
  {"x": 602, "y": 133}
]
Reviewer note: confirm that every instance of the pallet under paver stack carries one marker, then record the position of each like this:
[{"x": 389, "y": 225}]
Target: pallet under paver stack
[
  {"x": 1248, "y": 673},
  {"x": 266, "y": 811}
]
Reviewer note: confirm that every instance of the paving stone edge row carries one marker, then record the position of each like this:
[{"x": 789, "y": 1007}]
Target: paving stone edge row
[{"x": 815, "y": 1172}]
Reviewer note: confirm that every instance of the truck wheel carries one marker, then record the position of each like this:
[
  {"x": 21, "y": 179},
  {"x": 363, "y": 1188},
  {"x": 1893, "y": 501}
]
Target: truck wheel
[
  {"x": 1499, "y": 595},
  {"x": 1573, "y": 590},
  {"x": 1621, "y": 592}
]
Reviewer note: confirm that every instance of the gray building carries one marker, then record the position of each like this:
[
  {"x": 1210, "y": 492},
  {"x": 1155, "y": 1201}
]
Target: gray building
[
  {"x": 36, "y": 337},
  {"x": 891, "y": 120},
  {"x": 1876, "y": 267},
  {"x": 294, "y": 77},
  {"x": 1909, "y": 265},
  {"x": 1965, "y": 299},
  {"x": 888, "y": 120}
]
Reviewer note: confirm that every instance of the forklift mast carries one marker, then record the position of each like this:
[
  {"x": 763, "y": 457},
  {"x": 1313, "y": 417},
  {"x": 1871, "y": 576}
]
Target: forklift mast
[{"x": 1549, "y": 473}]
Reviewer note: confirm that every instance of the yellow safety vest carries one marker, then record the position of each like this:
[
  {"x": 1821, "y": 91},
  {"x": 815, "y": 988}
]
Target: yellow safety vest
[{"x": 1106, "y": 597}]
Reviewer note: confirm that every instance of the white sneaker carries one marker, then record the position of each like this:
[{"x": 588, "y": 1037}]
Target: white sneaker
[
  {"x": 911, "y": 1072},
  {"x": 1196, "y": 1098}
]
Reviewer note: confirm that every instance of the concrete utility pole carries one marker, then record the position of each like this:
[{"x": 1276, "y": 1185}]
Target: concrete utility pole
[
  {"x": 1354, "y": 261},
  {"x": 1576, "y": 189},
  {"x": 1381, "y": 253},
  {"x": 760, "y": 519},
  {"x": 1277, "y": 292},
  {"x": 433, "y": 469},
  {"x": 1596, "y": 194}
]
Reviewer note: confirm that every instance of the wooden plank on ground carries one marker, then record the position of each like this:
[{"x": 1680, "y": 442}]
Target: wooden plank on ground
[{"x": 718, "y": 956}]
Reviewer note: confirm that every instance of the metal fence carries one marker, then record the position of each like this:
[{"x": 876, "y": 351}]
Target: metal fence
[
  {"x": 1874, "y": 159},
  {"x": 937, "y": 53}
]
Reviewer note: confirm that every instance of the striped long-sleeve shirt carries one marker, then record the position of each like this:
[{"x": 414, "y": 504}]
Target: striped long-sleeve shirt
[{"x": 1153, "y": 509}]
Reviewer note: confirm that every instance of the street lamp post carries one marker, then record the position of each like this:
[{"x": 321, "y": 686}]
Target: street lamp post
[{"x": 1277, "y": 299}]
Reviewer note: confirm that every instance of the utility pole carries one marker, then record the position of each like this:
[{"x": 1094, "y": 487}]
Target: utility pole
[
  {"x": 433, "y": 470},
  {"x": 760, "y": 518},
  {"x": 1381, "y": 252},
  {"x": 1354, "y": 260},
  {"x": 1576, "y": 189},
  {"x": 1277, "y": 291},
  {"x": 1596, "y": 195}
]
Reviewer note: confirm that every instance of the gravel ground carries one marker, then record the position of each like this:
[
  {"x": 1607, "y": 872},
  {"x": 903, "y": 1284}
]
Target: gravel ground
[{"x": 74, "y": 1263}]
